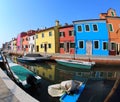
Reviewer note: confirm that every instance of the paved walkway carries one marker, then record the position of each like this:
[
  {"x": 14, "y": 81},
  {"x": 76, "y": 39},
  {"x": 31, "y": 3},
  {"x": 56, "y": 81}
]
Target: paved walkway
[{"x": 10, "y": 92}]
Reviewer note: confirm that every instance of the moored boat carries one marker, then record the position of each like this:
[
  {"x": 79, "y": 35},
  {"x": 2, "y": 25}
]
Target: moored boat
[
  {"x": 76, "y": 63},
  {"x": 33, "y": 58},
  {"x": 60, "y": 89},
  {"x": 24, "y": 76}
]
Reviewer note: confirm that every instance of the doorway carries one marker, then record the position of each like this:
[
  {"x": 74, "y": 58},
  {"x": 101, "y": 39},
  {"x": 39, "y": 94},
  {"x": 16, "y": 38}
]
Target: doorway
[{"x": 89, "y": 48}]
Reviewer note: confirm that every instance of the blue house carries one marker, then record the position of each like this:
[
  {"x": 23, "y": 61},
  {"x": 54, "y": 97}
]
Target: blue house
[{"x": 91, "y": 37}]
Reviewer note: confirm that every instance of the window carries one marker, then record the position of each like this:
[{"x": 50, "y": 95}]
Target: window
[
  {"x": 72, "y": 45},
  {"x": 37, "y": 36},
  {"x": 96, "y": 44},
  {"x": 105, "y": 45},
  {"x": 81, "y": 44},
  {"x": 95, "y": 28},
  {"x": 110, "y": 27},
  {"x": 41, "y": 45},
  {"x": 26, "y": 39},
  {"x": 79, "y": 28},
  {"x": 26, "y": 46},
  {"x": 112, "y": 13},
  {"x": 61, "y": 45},
  {"x": 113, "y": 46},
  {"x": 87, "y": 28},
  {"x": 49, "y": 45},
  {"x": 62, "y": 34},
  {"x": 50, "y": 33},
  {"x": 71, "y": 33},
  {"x": 37, "y": 48},
  {"x": 42, "y": 35}
]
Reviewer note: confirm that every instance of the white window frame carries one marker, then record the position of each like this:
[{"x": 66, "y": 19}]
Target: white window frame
[
  {"x": 98, "y": 44},
  {"x": 85, "y": 27},
  {"x": 93, "y": 28},
  {"x": 81, "y": 28},
  {"x": 83, "y": 44},
  {"x": 109, "y": 28},
  {"x": 103, "y": 46}
]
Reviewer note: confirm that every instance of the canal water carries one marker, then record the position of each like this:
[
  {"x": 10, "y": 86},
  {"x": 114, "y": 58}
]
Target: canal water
[{"x": 99, "y": 80}]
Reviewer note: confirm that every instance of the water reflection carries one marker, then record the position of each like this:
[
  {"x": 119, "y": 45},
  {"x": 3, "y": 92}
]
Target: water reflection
[
  {"x": 57, "y": 73},
  {"x": 52, "y": 72}
]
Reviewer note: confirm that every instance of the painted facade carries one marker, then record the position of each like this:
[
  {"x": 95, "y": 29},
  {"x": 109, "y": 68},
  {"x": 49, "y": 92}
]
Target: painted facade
[
  {"x": 14, "y": 44},
  {"x": 66, "y": 39},
  {"x": 25, "y": 42},
  {"x": 31, "y": 39},
  {"x": 91, "y": 37},
  {"x": 113, "y": 22},
  {"x": 19, "y": 41},
  {"x": 47, "y": 40}
]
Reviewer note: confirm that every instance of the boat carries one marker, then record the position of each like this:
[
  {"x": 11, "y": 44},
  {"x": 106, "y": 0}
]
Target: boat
[
  {"x": 33, "y": 58},
  {"x": 58, "y": 90},
  {"x": 75, "y": 63},
  {"x": 24, "y": 76},
  {"x": 72, "y": 97}
]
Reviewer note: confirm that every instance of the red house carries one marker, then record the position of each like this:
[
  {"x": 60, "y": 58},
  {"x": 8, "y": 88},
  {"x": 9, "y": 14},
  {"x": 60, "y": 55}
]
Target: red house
[{"x": 66, "y": 39}]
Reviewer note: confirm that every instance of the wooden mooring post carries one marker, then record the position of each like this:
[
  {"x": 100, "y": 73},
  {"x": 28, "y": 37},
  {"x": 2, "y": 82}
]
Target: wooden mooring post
[{"x": 116, "y": 84}]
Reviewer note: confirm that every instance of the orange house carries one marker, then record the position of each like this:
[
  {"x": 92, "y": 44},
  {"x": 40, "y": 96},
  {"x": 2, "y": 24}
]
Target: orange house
[
  {"x": 113, "y": 22},
  {"x": 25, "y": 42}
]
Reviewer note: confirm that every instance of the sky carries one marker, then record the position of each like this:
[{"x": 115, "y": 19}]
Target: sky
[{"x": 18, "y": 16}]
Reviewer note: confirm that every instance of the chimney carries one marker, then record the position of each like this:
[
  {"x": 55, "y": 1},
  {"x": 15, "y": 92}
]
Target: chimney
[{"x": 57, "y": 23}]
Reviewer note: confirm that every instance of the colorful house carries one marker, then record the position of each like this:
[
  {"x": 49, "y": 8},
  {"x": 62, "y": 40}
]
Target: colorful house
[
  {"x": 31, "y": 39},
  {"x": 19, "y": 41},
  {"x": 14, "y": 44},
  {"x": 113, "y": 22},
  {"x": 66, "y": 39},
  {"x": 91, "y": 37},
  {"x": 25, "y": 42},
  {"x": 47, "y": 40}
]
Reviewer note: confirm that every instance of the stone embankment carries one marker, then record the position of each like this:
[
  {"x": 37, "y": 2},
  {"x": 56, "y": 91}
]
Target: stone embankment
[{"x": 110, "y": 60}]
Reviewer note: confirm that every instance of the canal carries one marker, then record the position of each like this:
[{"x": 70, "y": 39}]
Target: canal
[{"x": 99, "y": 80}]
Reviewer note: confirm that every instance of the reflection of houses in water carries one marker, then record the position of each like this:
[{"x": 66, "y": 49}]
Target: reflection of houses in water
[
  {"x": 63, "y": 75},
  {"x": 97, "y": 75},
  {"x": 45, "y": 70}
]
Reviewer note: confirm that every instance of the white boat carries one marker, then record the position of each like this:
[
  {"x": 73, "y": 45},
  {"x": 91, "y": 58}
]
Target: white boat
[
  {"x": 76, "y": 63},
  {"x": 68, "y": 86},
  {"x": 33, "y": 58}
]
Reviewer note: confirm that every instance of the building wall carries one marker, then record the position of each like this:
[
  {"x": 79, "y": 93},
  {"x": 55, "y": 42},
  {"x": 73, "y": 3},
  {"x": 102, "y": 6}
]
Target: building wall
[
  {"x": 114, "y": 36},
  {"x": 66, "y": 39},
  {"x": 19, "y": 42},
  {"x": 25, "y": 43},
  {"x": 91, "y": 36},
  {"x": 32, "y": 43},
  {"x": 41, "y": 41}
]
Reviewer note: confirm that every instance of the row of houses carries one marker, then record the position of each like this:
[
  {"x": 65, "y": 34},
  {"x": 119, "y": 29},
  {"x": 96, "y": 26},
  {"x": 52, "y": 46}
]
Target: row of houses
[{"x": 86, "y": 37}]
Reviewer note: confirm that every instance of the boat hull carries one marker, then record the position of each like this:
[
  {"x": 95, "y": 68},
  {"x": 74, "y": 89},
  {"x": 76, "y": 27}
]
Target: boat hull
[{"x": 75, "y": 65}]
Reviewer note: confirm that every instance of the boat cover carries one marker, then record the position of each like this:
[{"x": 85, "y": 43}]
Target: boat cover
[{"x": 68, "y": 86}]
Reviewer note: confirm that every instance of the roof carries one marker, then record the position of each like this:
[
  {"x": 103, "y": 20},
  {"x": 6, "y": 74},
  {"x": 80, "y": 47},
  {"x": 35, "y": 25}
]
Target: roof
[
  {"x": 66, "y": 26},
  {"x": 89, "y": 20},
  {"x": 41, "y": 30}
]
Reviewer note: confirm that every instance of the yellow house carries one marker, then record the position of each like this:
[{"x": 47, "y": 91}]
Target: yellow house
[
  {"x": 47, "y": 40},
  {"x": 14, "y": 44}
]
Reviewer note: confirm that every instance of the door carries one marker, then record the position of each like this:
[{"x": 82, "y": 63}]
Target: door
[
  {"x": 88, "y": 48},
  {"x": 45, "y": 47},
  {"x": 68, "y": 47}
]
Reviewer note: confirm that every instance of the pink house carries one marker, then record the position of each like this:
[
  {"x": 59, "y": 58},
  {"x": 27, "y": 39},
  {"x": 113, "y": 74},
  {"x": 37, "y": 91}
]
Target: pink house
[{"x": 19, "y": 41}]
